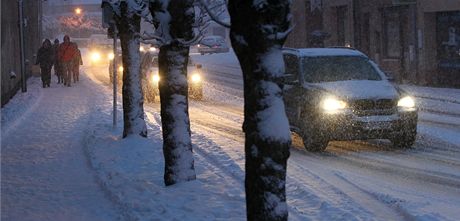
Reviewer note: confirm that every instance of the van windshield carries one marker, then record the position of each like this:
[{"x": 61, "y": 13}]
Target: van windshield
[{"x": 338, "y": 68}]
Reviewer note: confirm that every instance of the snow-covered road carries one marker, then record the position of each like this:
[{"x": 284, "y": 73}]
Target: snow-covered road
[{"x": 45, "y": 174}]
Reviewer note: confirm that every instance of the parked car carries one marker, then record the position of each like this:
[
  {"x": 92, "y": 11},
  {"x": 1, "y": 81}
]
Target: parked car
[
  {"x": 340, "y": 94},
  {"x": 212, "y": 44}
]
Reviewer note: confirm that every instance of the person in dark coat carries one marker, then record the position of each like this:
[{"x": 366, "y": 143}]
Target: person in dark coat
[
  {"x": 76, "y": 65},
  {"x": 45, "y": 58},
  {"x": 57, "y": 66}
]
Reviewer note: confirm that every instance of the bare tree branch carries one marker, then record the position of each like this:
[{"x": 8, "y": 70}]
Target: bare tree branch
[
  {"x": 214, "y": 17},
  {"x": 281, "y": 35},
  {"x": 148, "y": 36}
]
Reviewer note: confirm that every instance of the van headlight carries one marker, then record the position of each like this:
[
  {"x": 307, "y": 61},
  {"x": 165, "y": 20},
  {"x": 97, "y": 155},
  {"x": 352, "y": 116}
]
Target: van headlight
[
  {"x": 95, "y": 56},
  {"x": 333, "y": 104},
  {"x": 196, "y": 78},
  {"x": 155, "y": 78},
  {"x": 407, "y": 102},
  {"x": 111, "y": 56},
  {"x": 120, "y": 69}
]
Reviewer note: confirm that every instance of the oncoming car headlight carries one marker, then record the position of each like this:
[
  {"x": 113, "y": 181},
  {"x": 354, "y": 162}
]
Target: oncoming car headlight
[
  {"x": 120, "y": 69},
  {"x": 111, "y": 56},
  {"x": 406, "y": 102},
  {"x": 333, "y": 104},
  {"x": 95, "y": 56},
  {"x": 196, "y": 78},
  {"x": 155, "y": 78}
]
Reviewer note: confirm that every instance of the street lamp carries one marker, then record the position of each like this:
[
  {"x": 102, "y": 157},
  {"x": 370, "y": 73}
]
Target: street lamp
[{"x": 78, "y": 11}]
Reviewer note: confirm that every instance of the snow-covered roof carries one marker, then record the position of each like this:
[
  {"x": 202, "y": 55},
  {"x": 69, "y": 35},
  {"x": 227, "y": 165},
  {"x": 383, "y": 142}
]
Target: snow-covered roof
[{"x": 316, "y": 52}]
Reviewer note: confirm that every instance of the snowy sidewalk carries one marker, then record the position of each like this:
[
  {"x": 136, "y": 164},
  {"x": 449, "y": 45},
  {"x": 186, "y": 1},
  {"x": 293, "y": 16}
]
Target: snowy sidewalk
[{"x": 45, "y": 174}]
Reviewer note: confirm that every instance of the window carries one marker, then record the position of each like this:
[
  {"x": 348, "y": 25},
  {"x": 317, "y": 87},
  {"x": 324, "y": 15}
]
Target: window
[
  {"x": 291, "y": 63},
  {"x": 338, "y": 68},
  {"x": 392, "y": 33},
  {"x": 341, "y": 23},
  {"x": 448, "y": 39}
]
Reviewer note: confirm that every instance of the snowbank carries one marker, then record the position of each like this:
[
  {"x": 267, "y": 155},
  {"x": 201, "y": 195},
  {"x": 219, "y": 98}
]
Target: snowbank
[
  {"x": 21, "y": 106},
  {"x": 131, "y": 172}
]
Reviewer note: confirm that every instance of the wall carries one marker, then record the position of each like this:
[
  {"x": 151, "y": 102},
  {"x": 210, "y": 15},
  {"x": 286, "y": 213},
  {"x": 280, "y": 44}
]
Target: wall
[
  {"x": 10, "y": 51},
  {"x": 417, "y": 62},
  {"x": 298, "y": 37}
]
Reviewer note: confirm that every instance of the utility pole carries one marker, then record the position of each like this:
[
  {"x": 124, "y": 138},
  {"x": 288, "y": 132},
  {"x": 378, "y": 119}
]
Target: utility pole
[
  {"x": 21, "y": 45},
  {"x": 114, "y": 74},
  {"x": 109, "y": 22}
]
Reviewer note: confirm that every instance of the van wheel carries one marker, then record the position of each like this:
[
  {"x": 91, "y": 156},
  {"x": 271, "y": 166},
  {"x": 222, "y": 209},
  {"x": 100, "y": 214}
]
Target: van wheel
[{"x": 314, "y": 143}]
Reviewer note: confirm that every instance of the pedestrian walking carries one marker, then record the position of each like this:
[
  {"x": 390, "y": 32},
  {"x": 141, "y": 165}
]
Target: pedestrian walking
[
  {"x": 66, "y": 55},
  {"x": 56, "y": 65},
  {"x": 76, "y": 64},
  {"x": 45, "y": 58}
]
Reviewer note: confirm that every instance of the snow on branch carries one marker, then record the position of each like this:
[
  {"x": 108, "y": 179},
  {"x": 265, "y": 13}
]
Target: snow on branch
[
  {"x": 150, "y": 36},
  {"x": 139, "y": 7},
  {"x": 281, "y": 35},
  {"x": 213, "y": 16}
]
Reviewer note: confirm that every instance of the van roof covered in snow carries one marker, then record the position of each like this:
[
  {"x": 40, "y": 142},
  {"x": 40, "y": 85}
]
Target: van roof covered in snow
[{"x": 317, "y": 52}]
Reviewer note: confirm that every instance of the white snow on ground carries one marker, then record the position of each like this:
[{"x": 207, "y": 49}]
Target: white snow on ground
[
  {"x": 131, "y": 170},
  {"x": 448, "y": 94},
  {"x": 21, "y": 106},
  {"x": 45, "y": 175},
  {"x": 441, "y": 133},
  {"x": 62, "y": 160}
]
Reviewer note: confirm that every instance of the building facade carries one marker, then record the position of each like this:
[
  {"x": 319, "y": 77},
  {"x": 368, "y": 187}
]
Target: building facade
[
  {"x": 10, "y": 49},
  {"x": 418, "y": 41},
  {"x": 61, "y": 18}
]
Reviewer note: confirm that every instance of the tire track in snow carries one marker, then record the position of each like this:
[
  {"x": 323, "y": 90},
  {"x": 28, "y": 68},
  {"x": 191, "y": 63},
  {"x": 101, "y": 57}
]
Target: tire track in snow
[
  {"x": 390, "y": 165},
  {"x": 350, "y": 188},
  {"x": 421, "y": 151},
  {"x": 315, "y": 206},
  {"x": 219, "y": 77},
  {"x": 207, "y": 149},
  {"x": 340, "y": 194},
  {"x": 405, "y": 214}
]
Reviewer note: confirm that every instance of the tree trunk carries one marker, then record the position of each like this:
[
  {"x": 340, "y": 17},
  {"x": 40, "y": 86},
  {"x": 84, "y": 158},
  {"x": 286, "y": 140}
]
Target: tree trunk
[
  {"x": 128, "y": 25},
  {"x": 176, "y": 18},
  {"x": 177, "y": 144},
  {"x": 257, "y": 40}
]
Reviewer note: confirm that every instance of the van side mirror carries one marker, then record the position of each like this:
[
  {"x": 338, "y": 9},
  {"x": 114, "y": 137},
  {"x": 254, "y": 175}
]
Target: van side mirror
[
  {"x": 289, "y": 79},
  {"x": 390, "y": 76}
]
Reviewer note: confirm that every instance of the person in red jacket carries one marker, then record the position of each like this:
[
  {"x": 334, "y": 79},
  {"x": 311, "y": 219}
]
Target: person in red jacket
[{"x": 66, "y": 55}]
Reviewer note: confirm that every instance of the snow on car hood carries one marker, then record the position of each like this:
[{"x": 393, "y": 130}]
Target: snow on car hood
[{"x": 360, "y": 89}]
